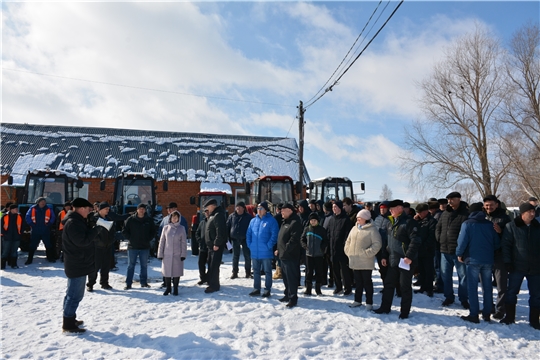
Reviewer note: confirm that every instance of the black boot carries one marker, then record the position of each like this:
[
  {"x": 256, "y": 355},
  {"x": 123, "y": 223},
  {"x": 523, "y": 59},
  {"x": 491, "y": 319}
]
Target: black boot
[
  {"x": 30, "y": 257},
  {"x": 3, "y": 264},
  {"x": 534, "y": 318},
  {"x": 51, "y": 255},
  {"x": 69, "y": 326},
  {"x": 13, "y": 263},
  {"x": 318, "y": 289},
  {"x": 176, "y": 280},
  {"x": 308, "y": 289},
  {"x": 510, "y": 316},
  {"x": 168, "y": 286}
]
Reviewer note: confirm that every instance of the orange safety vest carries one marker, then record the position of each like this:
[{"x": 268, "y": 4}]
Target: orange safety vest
[
  {"x": 19, "y": 222},
  {"x": 61, "y": 216},
  {"x": 47, "y": 215}
]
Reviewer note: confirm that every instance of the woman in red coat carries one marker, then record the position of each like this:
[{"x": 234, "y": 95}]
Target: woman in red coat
[{"x": 172, "y": 250}]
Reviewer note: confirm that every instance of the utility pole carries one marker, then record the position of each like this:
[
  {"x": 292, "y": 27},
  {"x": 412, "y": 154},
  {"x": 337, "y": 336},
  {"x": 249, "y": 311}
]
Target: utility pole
[{"x": 301, "y": 111}]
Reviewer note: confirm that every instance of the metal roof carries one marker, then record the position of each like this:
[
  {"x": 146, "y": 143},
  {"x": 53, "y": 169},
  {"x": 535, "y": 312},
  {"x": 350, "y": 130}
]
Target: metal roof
[{"x": 105, "y": 153}]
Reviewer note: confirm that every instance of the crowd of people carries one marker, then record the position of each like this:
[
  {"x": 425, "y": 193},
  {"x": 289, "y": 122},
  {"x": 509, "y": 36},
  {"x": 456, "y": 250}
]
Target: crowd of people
[{"x": 338, "y": 241}]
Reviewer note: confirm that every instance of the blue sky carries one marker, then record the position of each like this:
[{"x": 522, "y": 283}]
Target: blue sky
[{"x": 256, "y": 52}]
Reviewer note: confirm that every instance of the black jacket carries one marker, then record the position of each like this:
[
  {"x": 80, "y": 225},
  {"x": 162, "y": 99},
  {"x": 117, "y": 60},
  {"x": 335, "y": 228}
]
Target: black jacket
[
  {"x": 216, "y": 229},
  {"x": 199, "y": 235},
  {"x": 338, "y": 229},
  {"x": 105, "y": 238},
  {"x": 315, "y": 240},
  {"x": 403, "y": 240},
  {"x": 521, "y": 246},
  {"x": 139, "y": 231},
  {"x": 78, "y": 245},
  {"x": 238, "y": 225},
  {"x": 448, "y": 226},
  {"x": 12, "y": 232},
  {"x": 499, "y": 216},
  {"x": 426, "y": 232},
  {"x": 288, "y": 244}
]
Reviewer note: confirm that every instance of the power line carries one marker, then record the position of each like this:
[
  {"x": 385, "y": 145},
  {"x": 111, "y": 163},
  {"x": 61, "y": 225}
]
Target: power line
[
  {"x": 361, "y": 52},
  {"x": 148, "y": 89}
]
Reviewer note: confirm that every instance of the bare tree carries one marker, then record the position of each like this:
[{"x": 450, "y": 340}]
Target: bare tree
[
  {"x": 386, "y": 193},
  {"x": 461, "y": 103}
]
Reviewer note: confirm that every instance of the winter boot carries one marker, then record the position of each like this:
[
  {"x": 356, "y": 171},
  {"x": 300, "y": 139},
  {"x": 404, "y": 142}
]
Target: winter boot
[
  {"x": 308, "y": 289},
  {"x": 277, "y": 274},
  {"x": 510, "y": 316},
  {"x": 3, "y": 263},
  {"x": 51, "y": 255},
  {"x": 168, "y": 286},
  {"x": 13, "y": 263},
  {"x": 69, "y": 326},
  {"x": 534, "y": 318},
  {"x": 318, "y": 289},
  {"x": 234, "y": 275},
  {"x": 30, "y": 257},
  {"x": 176, "y": 280}
]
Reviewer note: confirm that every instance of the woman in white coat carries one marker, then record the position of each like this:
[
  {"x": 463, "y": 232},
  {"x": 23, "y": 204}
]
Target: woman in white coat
[
  {"x": 172, "y": 250},
  {"x": 361, "y": 246}
]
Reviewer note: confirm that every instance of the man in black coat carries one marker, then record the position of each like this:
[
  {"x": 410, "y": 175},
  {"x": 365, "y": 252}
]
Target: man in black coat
[
  {"x": 139, "y": 229},
  {"x": 78, "y": 247},
  {"x": 399, "y": 255},
  {"x": 289, "y": 250},
  {"x": 426, "y": 253},
  {"x": 447, "y": 232},
  {"x": 338, "y": 229},
  {"x": 237, "y": 224},
  {"x": 215, "y": 236}
]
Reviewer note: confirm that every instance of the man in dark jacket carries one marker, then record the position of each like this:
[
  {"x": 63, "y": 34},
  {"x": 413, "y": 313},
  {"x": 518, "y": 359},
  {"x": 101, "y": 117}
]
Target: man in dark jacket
[
  {"x": 289, "y": 250},
  {"x": 11, "y": 224},
  {"x": 315, "y": 241},
  {"x": 381, "y": 223},
  {"x": 402, "y": 250},
  {"x": 521, "y": 254},
  {"x": 204, "y": 259},
  {"x": 78, "y": 247},
  {"x": 496, "y": 214},
  {"x": 139, "y": 229},
  {"x": 237, "y": 224},
  {"x": 216, "y": 239},
  {"x": 40, "y": 217},
  {"x": 447, "y": 232},
  {"x": 426, "y": 253},
  {"x": 304, "y": 211},
  {"x": 350, "y": 209},
  {"x": 338, "y": 229}
]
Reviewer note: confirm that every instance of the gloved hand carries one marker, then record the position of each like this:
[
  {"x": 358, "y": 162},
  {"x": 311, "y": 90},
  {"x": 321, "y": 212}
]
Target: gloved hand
[
  {"x": 509, "y": 267},
  {"x": 182, "y": 258}
]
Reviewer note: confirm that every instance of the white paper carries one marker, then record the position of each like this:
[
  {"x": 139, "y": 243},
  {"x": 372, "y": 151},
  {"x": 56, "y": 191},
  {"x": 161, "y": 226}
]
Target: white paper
[
  {"x": 229, "y": 245},
  {"x": 106, "y": 224},
  {"x": 403, "y": 265}
]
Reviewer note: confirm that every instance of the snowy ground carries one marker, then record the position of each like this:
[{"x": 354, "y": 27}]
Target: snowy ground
[{"x": 229, "y": 324}]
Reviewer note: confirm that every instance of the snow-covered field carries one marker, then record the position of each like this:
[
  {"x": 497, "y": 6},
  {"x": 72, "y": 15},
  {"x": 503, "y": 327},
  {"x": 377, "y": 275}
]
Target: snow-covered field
[{"x": 229, "y": 324}]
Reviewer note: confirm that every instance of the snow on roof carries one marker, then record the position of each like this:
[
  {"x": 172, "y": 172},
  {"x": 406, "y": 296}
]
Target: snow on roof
[
  {"x": 216, "y": 187},
  {"x": 27, "y": 163}
]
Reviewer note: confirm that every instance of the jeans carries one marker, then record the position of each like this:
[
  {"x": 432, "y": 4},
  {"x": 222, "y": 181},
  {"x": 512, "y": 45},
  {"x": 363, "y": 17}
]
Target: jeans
[
  {"x": 515, "y": 279},
  {"x": 132, "y": 260},
  {"x": 236, "y": 255},
  {"x": 74, "y": 295},
  {"x": 266, "y": 265},
  {"x": 474, "y": 271},
  {"x": 448, "y": 261},
  {"x": 9, "y": 249},
  {"x": 291, "y": 277}
]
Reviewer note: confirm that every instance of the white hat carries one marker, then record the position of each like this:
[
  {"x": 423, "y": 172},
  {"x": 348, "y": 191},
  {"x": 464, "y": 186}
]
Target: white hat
[{"x": 364, "y": 214}]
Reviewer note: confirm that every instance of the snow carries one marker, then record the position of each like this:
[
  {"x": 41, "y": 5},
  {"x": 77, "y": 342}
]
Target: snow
[
  {"x": 229, "y": 324},
  {"x": 216, "y": 187},
  {"x": 27, "y": 163}
]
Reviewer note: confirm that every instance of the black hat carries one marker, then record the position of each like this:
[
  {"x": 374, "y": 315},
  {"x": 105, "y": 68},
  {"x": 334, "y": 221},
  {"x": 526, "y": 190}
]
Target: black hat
[
  {"x": 369, "y": 204},
  {"x": 433, "y": 205},
  {"x": 328, "y": 205},
  {"x": 422, "y": 207},
  {"x": 264, "y": 205},
  {"x": 395, "y": 203},
  {"x": 339, "y": 204},
  {"x": 304, "y": 204},
  {"x": 141, "y": 205},
  {"x": 81, "y": 202},
  {"x": 39, "y": 199},
  {"x": 313, "y": 201},
  {"x": 491, "y": 198},
  {"x": 532, "y": 198},
  {"x": 172, "y": 205},
  {"x": 280, "y": 206},
  {"x": 242, "y": 204},
  {"x": 104, "y": 205},
  {"x": 13, "y": 206},
  {"x": 476, "y": 207},
  {"x": 432, "y": 199},
  {"x": 443, "y": 201},
  {"x": 525, "y": 207},
  {"x": 67, "y": 203},
  {"x": 406, "y": 205},
  {"x": 289, "y": 206},
  {"x": 453, "y": 194},
  {"x": 313, "y": 215},
  {"x": 210, "y": 202}
]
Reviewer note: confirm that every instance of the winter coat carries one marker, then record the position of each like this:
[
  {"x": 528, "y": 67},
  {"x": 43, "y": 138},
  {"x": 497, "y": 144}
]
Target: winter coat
[
  {"x": 288, "y": 245},
  {"x": 104, "y": 238},
  {"x": 361, "y": 247},
  {"x": 199, "y": 235},
  {"x": 139, "y": 231},
  {"x": 381, "y": 222},
  {"x": 500, "y": 217},
  {"x": 78, "y": 245},
  {"x": 426, "y": 232},
  {"x": 314, "y": 240},
  {"x": 14, "y": 224},
  {"x": 352, "y": 215},
  {"x": 216, "y": 229},
  {"x": 166, "y": 221},
  {"x": 262, "y": 236},
  {"x": 172, "y": 248},
  {"x": 477, "y": 240},
  {"x": 448, "y": 227},
  {"x": 238, "y": 225},
  {"x": 305, "y": 215},
  {"x": 521, "y": 246},
  {"x": 403, "y": 240},
  {"x": 40, "y": 226},
  {"x": 339, "y": 227}
]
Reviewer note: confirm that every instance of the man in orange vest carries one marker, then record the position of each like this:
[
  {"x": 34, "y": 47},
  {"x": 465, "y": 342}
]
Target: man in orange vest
[
  {"x": 40, "y": 217},
  {"x": 59, "y": 228},
  {"x": 11, "y": 223}
]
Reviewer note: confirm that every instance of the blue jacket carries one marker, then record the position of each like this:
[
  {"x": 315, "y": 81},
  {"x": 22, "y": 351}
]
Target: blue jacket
[
  {"x": 261, "y": 236},
  {"x": 477, "y": 240},
  {"x": 39, "y": 226}
]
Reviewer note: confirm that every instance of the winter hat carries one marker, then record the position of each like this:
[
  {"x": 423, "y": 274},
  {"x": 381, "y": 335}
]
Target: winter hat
[
  {"x": 210, "y": 202},
  {"x": 81, "y": 202},
  {"x": 67, "y": 203},
  {"x": 525, "y": 207},
  {"x": 406, "y": 205},
  {"x": 289, "y": 206},
  {"x": 104, "y": 205},
  {"x": 339, "y": 204},
  {"x": 304, "y": 204},
  {"x": 433, "y": 205},
  {"x": 313, "y": 201},
  {"x": 443, "y": 201},
  {"x": 422, "y": 207},
  {"x": 264, "y": 205},
  {"x": 313, "y": 215},
  {"x": 491, "y": 198},
  {"x": 384, "y": 204},
  {"x": 13, "y": 206},
  {"x": 242, "y": 204},
  {"x": 141, "y": 205},
  {"x": 432, "y": 199},
  {"x": 453, "y": 194},
  {"x": 476, "y": 207},
  {"x": 280, "y": 206},
  {"x": 532, "y": 198},
  {"x": 40, "y": 199},
  {"x": 172, "y": 205},
  {"x": 364, "y": 214},
  {"x": 395, "y": 203},
  {"x": 328, "y": 206}
]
